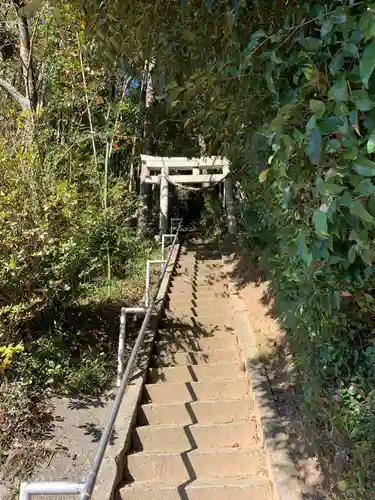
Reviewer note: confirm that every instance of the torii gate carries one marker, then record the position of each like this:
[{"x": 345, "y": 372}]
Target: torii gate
[{"x": 161, "y": 170}]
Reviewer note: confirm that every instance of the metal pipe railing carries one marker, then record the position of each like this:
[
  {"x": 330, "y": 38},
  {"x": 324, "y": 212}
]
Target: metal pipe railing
[
  {"x": 50, "y": 488},
  {"x": 103, "y": 443},
  {"x": 122, "y": 338},
  {"x": 86, "y": 489},
  {"x": 163, "y": 238},
  {"x": 179, "y": 222}
]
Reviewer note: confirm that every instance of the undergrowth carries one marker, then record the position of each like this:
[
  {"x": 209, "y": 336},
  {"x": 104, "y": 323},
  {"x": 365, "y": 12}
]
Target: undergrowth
[
  {"x": 70, "y": 350},
  {"x": 335, "y": 354}
]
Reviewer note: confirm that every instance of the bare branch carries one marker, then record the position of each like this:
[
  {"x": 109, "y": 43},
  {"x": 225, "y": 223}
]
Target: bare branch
[{"x": 15, "y": 95}]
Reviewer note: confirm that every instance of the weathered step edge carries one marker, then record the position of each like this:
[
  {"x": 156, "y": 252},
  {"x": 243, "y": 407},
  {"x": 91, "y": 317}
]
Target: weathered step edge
[
  {"x": 254, "y": 489},
  {"x": 111, "y": 472},
  {"x": 281, "y": 467}
]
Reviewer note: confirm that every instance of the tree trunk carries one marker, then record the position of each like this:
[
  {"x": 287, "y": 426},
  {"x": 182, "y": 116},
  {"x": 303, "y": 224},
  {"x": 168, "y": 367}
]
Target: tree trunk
[
  {"x": 26, "y": 61},
  {"x": 149, "y": 102},
  {"x": 147, "y": 147},
  {"x": 28, "y": 101}
]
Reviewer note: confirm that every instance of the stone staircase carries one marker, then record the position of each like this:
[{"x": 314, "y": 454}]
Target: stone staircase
[{"x": 197, "y": 437}]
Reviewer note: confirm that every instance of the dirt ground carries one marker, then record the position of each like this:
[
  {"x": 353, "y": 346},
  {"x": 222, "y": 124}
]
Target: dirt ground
[{"x": 281, "y": 372}]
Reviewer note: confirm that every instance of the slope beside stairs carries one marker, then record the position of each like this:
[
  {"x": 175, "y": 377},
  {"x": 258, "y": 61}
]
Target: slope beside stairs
[{"x": 197, "y": 436}]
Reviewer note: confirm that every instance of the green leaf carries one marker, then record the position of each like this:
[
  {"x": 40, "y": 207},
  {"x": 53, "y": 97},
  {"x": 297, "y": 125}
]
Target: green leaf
[
  {"x": 330, "y": 188},
  {"x": 275, "y": 59},
  {"x": 350, "y": 49},
  {"x": 326, "y": 28},
  {"x": 311, "y": 124},
  {"x": 368, "y": 257},
  {"x": 368, "y": 272},
  {"x": 371, "y": 205},
  {"x": 353, "y": 235},
  {"x": 254, "y": 40},
  {"x": 362, "y": 100},
  {"x": 282, "y": 116},
  {"x": 366, "y": 25},
  {"x": 314, "y": 142},
  {"x": 318, "y": 107},
  {"x": 263, "y": 175},
  {"x": 302, "y": 248},
  {"x": 337, "y": 62},
  {"x": 351, "y": 153},
  {"x": 345, "y": 129},
  {"x": 365, "y": 167},
  {"x": 320, "y": 221},
  {"x": 232, "y": 70},
  {"x": 335, "y": 259},
  {"x": 338, "y": 17},
  {"x": 339, "y": 91},
  {"x": 333, "y": 146},
  {"x": 359, "y": 210},
  {"x": 351, "y": 254},
  {"x": 12, "y": 264},
  {"x": 330, "y": 125},
  {"x": 371, "y": 143},
  {"x": 345, "y": 200},
  {"x": 287, "y": 195},
  {"x": 310, "y": 43},
  {"x": 366, "y": 187},
  {"x": 367, "y": 63},
  {"x": 353, "y": 119},
  {"x": 269, "y": 78}
]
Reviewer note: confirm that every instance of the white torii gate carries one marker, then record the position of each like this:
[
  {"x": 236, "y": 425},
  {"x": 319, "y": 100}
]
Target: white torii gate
[{"x": 162, "y": 170}]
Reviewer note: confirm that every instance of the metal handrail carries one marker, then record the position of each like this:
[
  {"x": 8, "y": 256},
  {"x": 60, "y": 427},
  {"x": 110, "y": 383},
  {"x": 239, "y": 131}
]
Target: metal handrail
[
  {"x": 104, "y": 440},
  {"x": 86, "y": 489}
]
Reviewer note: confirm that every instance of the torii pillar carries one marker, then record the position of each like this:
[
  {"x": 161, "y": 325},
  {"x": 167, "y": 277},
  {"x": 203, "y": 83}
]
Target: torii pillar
[
  {"x": 229, "y": 204},
  {"x": 163, "y": 220}
]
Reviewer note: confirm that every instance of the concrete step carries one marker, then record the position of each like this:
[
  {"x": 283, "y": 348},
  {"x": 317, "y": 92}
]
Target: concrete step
[
  {"x": 184, "y": 438},
  {"x": 206, "y": 303},
  {"x": 174, "y": 331},
  {"x": 179, "y": 298},
  {"x": 205, "y": 282},
  {"x": 187, "y": 392},
  {"x": 224, "y": 311},
  {"x": 196, "y": 373},
  {"x": 198, "y": 279},
  {"x": 204, "y": 412},
  {"x": 179, "y": 467},
  {"x": 215, "y": 489},
  {"x": 190, "y": 319},
  {"x": 202, "y": 272},
  {"x": 198, "y": 295},
  {"x": 194, "y": 344},
  {"x": 199, "y": 289},
  {"x": 180, "y": 284},
  {"x": 195, "y": 358}
]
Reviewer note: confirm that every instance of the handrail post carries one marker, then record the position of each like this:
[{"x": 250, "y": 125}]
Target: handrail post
[
  {"x": 163, "y": 237},
  {"x": 147, "y": 283},
  {"x": 148, "y": 272},
  {"x": 121, "y": 346},
  {"x": 162, "y": 245},
  {"x": 122, "y": 338}
]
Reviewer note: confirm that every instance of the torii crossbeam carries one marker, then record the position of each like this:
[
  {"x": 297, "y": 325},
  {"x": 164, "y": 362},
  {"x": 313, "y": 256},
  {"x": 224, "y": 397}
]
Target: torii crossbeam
[{"x": 181, "y": 170}]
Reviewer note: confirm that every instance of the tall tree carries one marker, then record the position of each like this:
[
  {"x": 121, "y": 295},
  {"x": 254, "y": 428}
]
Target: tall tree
[{"x": 26, "y": 97}]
